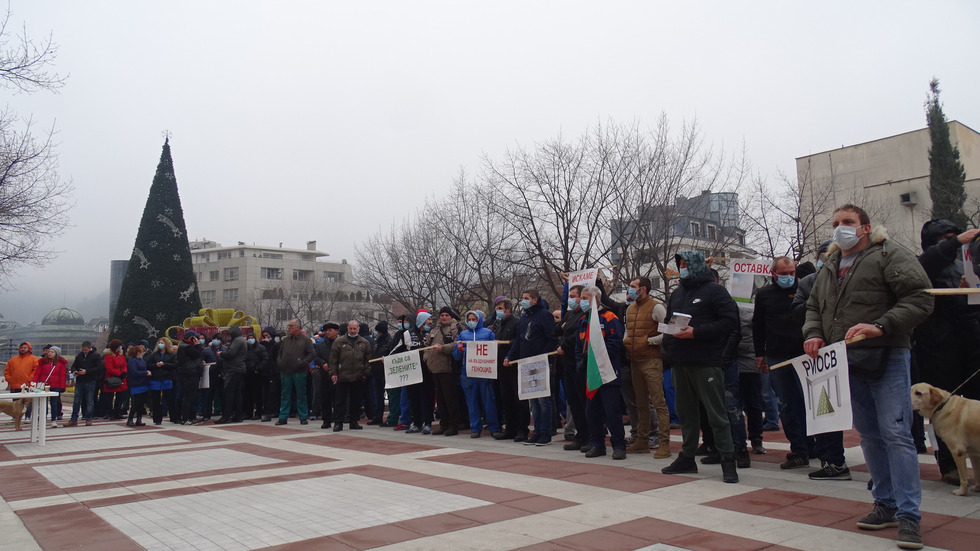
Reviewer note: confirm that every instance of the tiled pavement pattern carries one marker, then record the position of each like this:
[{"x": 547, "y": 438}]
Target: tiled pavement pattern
[{"x": 258, "y": 486}]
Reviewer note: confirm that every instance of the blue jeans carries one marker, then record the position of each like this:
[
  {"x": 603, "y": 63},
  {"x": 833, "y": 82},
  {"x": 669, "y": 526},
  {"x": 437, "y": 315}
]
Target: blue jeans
[
  {"x": 290, "y": 382},
  {"x": 792, "y": 408},
  {"x": 542, "y": 409},
  {"x": 604, "y": 411},
  {"x": 84, "y": 398},
  {"x": 480, "y": 397},
  {"x": 406, "y": 407},
  {"x": 883, "y": 416},
  {"x": 669, "y": 395},
  {"x": 769, "y": 400}
]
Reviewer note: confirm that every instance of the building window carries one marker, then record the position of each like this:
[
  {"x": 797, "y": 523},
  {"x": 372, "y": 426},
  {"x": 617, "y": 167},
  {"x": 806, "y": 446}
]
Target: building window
[
  {"x": 207, "y": 298},
  {"x": 741, "y": 239},
  {"x": 302, "y": 275},
  {"x": 230, "y": 295},
  {"x": 241, "y": 252},
  {"x": 696, "y": 229},
  {"x": 282, "y": 314},
  {"x": 333, "y": 277},
  {"x": 231, "y": 274},
  {"x": 213, "y": 275},
  {"x": 224, "y": 254},
  {"x": 275, "y": 256},
  {"x": 711, "y": 232},
  {"x": 271, "y": 293},
  {"x": 270, "y": 273},
  {"x": 654, "y": 283}
]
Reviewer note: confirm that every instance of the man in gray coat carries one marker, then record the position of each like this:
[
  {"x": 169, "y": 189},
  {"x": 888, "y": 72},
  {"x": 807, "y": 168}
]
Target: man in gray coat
[{"x": 233, "y": 373}]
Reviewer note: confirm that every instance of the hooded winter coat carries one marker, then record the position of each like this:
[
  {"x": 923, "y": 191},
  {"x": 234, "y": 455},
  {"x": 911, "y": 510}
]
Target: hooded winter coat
[
  {"x": 115, "y": 366},
  {"x": 885, "y": 285},
  {"x": 480, "y": 334},
  {"x": 56, "y": 374},
  {"x": 940, "y": 260},
  {"x": 233, "y": 358},
  {"x": 714, "y": 315},
  {"x": 775, "y": 329},
  {"x": 92, "y": 364},
  {"x": 349, "y": 359},
  {"x": 189, "y": 360},
  {"x": 20, "y": 369}
]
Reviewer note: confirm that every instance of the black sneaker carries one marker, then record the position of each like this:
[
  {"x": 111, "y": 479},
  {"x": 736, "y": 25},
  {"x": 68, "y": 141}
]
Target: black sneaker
[
  {"x": 909, "y": 536},
  {"x": 595, "y": 452},
  {"x": 757, "y": 447},
  {"x": 281, "y": 421},
  {"x": 704, "y": 449},
  {"x": 880, "y": 517},
  {"x": 742, "y": 460},
  {"x": 712, "y": 458},
  {"x": 795, "y": 461},
  {"x": 682, "y": 465},
  {"x": 619, "y": 453},
  {"x": 729, "y": 474},
  {"x": 831, "y": 472}
]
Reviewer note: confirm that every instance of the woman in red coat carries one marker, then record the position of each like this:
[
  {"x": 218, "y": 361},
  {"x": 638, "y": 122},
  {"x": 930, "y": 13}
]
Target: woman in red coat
[
  {"x": 52, "y": 370},
  {"x": 115, "y": 366}
]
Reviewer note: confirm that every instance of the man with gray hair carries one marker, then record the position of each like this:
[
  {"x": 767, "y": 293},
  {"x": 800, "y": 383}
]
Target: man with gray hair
[
  {"x": 293, "y": 359},
  {"x": 349, "y": 367}
]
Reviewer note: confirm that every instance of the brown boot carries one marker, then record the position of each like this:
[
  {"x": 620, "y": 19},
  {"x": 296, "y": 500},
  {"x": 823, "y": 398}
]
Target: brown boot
[
  {"x": 663, "y": 450},
  {"x": 71, "y": 424},
  {"x": 642, "y": 445}
]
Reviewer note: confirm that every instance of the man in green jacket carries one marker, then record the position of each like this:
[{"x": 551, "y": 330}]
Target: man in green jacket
[
  {"x": 295, "y": 355},
  {"x": 349, "y": 367},
  {"x": 874, "y": 288}
]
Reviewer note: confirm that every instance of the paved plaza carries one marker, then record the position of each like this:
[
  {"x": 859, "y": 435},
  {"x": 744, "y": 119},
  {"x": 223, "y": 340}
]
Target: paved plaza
[{"x": 258, "y": 486}]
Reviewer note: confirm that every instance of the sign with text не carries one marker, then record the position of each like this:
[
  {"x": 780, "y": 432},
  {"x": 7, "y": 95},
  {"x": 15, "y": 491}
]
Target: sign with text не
[
  {"x": 481, "y": 359},
  {"x": 403, "y": 369},
  {"x": 532, "y": 378},
  {"x": 583, "y": 277},
  {"x": 826, "y": 389},
  {"x": 748, "y": 276}
]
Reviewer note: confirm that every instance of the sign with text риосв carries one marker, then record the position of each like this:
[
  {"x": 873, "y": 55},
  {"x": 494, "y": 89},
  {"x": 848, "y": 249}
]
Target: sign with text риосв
[
  {"x": 481, "y": 359},
  {"x": 403, "y": 369},
  {"x": 532, "y": 378},
  {"x": 583, "y": 277},
  {"x": 826, "y": 389},
  {"x": 747, "y": 277}
]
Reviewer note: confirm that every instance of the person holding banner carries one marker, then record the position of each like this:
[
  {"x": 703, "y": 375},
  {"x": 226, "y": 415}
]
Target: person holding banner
[
  {"x": 535, "y": 336},
  {"x": 600, "y": 341},
  {"x": 695, "y": 356},
  {"x": 945, "y": 346},
  {"x": 873, "y": 288},
  {"x": 445, "y": 379},
  {"x": 349, "y": 368},
  {"x": 478, "y": 390},
  {"x": 573, "y": 374}
]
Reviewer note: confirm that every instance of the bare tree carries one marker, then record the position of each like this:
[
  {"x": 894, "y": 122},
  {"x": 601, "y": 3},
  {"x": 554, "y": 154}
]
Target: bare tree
[{"x": 33, "y": 198}]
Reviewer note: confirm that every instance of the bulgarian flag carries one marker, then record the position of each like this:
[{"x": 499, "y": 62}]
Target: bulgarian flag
[{"x": 599, "y": 370}]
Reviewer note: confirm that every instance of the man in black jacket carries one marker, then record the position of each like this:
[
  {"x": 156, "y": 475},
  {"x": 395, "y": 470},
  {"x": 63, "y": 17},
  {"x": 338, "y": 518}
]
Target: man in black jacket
[
  {"x": 535, "y": 335},
  {"x": 321, "y": 358},
  {"x": 695, "y": 355},
  {"x": 945, "y": 345},
  {"x": 233, "y": 373},
  {"x": 515, "y": 413},
  {"x": 89, "y": 370},
  {"x": 573, "y": 377},
  {"x": 382, "y": 344}
]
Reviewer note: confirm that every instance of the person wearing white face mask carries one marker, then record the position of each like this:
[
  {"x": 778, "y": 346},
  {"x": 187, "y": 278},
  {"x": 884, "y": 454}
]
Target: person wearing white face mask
[{"x": 874, "y": 288}]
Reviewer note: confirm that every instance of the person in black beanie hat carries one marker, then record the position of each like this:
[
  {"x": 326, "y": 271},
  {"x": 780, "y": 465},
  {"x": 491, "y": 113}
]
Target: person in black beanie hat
[{"x": 382, "y": 344}]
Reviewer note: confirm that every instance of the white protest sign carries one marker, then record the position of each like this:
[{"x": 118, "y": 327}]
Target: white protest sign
[
  {"x": 403, "y": 369},
  {"x": 748, "y": 276},
  {"x": 481, "y": 359},
  {"x": 972, "y": 278},
  {"x": 583, "y": 277},
  {"x": 826, "y": 390},
  {"x": 205, "y": 381},
  {"x": 532, "y": 378}
]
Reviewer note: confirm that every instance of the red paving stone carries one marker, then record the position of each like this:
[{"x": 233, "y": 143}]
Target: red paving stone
[
  {"x": 375, "y": 536},
  {"x": 265, "y": 429},
  {"x": 73, "y": 526},
  {"x": 370, "y": 445}
]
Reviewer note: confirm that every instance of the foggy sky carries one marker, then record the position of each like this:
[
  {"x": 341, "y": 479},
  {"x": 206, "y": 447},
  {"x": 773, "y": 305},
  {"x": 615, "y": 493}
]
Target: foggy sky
[{"x": 295, "y": 121}]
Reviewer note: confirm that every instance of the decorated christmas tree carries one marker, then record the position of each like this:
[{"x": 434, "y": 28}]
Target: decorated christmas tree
[{"x": 159, "y": 289}]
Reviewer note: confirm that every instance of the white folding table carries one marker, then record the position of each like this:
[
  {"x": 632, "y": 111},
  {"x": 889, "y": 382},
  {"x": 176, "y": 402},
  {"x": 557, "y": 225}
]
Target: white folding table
[{"x": 39, "y": 413}]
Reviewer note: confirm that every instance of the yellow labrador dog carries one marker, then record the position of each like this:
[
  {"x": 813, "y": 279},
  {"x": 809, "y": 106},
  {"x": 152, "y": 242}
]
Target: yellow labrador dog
[
  {"x": 15, "y": 409},
  {"x": 957, "y": 421}
]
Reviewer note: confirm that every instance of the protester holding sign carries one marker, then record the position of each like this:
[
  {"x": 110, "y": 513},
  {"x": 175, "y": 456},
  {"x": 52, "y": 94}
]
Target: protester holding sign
[
  {"x": 349, "y": 368},
  {"x": 600, "y": 341},
  {"x": 946, "y": 348},
  {"x": 872, "y": 287},
  {"x": 478, "y": 390},
  {"x": 408, "y": 338},
  {"x": 445, "y": 380},
  {"x": 535, "y": 335},
  {"x": 573, "y": 373},
  {"x": 695, "y": 355}
]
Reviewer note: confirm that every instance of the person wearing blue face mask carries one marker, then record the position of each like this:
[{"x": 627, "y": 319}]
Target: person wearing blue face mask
[
  {"x": 535, "y": 335},
  {"x": 512, "y": 411},
  {"x": 478, "y": 392},
  {"x": 572, "y": 377}
]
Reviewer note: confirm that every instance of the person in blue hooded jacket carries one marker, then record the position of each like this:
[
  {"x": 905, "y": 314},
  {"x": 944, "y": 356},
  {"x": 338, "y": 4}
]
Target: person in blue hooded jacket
[{"x": 479, "y": 392}]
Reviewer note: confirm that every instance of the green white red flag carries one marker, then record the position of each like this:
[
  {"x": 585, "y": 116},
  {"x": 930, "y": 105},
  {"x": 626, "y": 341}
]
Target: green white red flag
[{"x": 599, "y": 370}]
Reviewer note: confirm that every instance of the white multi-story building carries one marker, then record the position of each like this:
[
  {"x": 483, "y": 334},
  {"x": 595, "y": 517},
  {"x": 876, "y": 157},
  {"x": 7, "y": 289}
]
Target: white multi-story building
[{"x": 276, "y": 284}]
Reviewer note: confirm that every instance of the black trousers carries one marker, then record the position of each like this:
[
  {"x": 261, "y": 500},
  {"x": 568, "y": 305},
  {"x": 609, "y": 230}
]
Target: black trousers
[
  {"x": 378, "y": 387},
  {"x": 231, "y": 399},
  {"x": 188, "y": 391},
  {"x": 347, "y": 401},
  {"x": 138, "y": 407},
  {"x": 156, "y": 407},
  {"x": 271, "y": 393},
  {"x": 574, "y": 383},
  {"x": 422, "y": 398},
  {"x": 328, "y": 405},
  {"x": 252, "y": 394},
  {"x": 517, "y": 413},
  {"x": 447, "y": 396}
]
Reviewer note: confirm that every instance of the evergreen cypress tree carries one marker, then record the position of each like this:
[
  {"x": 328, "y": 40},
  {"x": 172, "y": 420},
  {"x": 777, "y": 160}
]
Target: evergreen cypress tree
[
  {"x": 946, "y": 172},
  {"x": 159, "y": 289}
]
